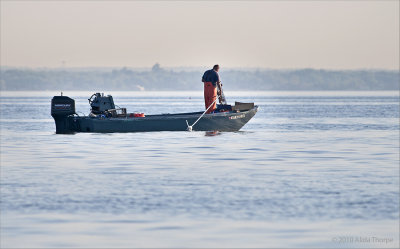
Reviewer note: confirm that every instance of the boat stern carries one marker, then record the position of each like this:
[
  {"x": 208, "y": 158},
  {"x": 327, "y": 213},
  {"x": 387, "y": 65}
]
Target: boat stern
[{"x": 62, "y": 107}]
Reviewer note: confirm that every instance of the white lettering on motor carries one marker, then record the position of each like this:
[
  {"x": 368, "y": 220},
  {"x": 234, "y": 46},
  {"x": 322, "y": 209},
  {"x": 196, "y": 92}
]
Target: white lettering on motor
[{"x": 62, "y": 106}]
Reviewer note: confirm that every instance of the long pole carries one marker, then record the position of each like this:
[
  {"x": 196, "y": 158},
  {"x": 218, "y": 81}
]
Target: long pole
[{"x": 190, "y": 127}]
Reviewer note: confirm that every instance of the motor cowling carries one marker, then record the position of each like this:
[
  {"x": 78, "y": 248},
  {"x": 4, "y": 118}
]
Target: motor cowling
[{"x": 61, "y": 108}]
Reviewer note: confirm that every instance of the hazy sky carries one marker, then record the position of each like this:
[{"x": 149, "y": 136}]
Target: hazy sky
[{"x": 317, "y": 34}]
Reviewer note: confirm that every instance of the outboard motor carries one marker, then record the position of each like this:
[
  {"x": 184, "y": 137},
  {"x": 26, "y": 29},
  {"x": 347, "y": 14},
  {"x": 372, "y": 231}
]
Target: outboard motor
[
  {"x": 100, "y": 103},
  {"x": 61, "y": 108}
]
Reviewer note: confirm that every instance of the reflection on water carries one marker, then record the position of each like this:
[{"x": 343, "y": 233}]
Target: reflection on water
[
  {"x": 306, "y": 171},
  {"x": 212, "y": 133}
]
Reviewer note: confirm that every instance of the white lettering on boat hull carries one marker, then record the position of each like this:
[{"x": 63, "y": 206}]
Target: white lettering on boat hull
[{"x": 238, "y": 116}]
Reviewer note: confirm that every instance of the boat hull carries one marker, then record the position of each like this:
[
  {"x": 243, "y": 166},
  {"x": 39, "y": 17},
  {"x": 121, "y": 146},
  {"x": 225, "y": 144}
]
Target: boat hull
[{"x": 224, "y": 121}]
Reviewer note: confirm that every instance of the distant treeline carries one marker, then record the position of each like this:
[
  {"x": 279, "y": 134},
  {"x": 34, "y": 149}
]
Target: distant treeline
[{"x": 233, "y": 79}]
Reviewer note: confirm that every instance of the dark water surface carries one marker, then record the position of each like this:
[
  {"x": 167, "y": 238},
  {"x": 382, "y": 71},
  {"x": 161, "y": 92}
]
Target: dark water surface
[{"x": 311, "y": 169}]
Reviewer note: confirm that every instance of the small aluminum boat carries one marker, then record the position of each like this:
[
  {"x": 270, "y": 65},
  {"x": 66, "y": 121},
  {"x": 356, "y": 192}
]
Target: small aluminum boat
[{"x": 105, "y": 118}]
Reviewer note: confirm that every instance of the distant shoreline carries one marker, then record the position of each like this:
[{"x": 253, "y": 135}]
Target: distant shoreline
[
  {"x": 160, "y": 79},
  {"x": 230, "y": 95}
]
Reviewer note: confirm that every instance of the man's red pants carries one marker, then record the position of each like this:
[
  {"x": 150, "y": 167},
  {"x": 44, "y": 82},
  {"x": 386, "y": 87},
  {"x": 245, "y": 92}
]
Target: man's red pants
[{"x": 210, "y": 95}]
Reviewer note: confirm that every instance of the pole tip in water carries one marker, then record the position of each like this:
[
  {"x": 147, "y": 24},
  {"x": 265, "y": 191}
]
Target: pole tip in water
[{"x": 189, "y": 127}]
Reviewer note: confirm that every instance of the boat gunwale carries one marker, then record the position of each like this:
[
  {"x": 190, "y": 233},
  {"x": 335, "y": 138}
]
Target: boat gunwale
[{"x": 187, "y": 115}]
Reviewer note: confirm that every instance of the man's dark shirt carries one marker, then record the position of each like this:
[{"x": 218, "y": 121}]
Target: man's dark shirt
[{"x": 211, "y": 76}]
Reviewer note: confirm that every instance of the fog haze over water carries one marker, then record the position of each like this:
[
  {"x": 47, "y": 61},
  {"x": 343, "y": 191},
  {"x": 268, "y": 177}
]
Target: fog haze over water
[{"x": 158, "y": 78}]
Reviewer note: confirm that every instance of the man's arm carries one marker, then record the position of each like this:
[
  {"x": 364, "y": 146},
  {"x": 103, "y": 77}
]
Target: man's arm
[{"x": 218, "y": 81}]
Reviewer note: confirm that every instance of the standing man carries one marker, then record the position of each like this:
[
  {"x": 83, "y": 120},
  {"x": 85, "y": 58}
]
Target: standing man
[{"x": 211, "y": 80}]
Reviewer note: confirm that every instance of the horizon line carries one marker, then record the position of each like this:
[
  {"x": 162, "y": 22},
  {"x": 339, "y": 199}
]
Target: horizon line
[{"x": 191, "y": 68}]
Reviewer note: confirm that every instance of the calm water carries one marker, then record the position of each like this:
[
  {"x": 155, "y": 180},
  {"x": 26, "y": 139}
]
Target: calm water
[{"x": 311, "y": 169}]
